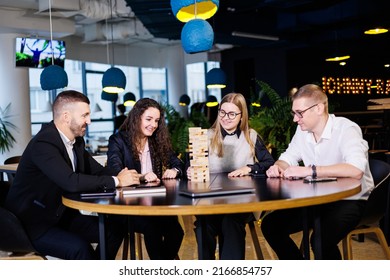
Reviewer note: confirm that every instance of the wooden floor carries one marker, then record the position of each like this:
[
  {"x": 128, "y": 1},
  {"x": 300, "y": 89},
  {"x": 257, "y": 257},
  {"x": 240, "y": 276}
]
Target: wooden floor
[{"x": 367, "y": 250}]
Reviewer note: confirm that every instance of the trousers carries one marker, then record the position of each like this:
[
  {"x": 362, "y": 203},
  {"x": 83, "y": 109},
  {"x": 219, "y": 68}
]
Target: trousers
[
  {"x": 337, "y": 220},
  {"x": 230, "y": 230},
  {"x": 162, "y": 235},
  {"x": 72, "y": 238}
]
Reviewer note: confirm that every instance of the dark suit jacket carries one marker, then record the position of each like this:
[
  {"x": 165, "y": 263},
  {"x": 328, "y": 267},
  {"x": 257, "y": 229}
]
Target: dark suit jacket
[
  {"x": 119, "y": 156},
  {"x": 45, "y": 173}
]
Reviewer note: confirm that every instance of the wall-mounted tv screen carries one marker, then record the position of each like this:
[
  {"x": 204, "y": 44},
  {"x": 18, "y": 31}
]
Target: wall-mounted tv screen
[{"x": 39, "y": 53}]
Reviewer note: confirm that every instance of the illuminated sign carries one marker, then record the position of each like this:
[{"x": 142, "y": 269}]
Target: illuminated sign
[{"x": 337, "y": 85}]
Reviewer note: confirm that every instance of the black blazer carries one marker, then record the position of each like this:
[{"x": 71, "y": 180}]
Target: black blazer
[
  {"x": 119, "y": 156},
  {"x": 45, "y": 173}
]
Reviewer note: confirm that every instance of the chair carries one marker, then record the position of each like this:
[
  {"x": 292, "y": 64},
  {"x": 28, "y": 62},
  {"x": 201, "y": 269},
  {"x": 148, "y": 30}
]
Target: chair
[
  {"x": 13, "y": 238},
  {"x": 375, "y": 209},
  {"x": 255, "y": 240},
  {"x": 15, "y": 159}
]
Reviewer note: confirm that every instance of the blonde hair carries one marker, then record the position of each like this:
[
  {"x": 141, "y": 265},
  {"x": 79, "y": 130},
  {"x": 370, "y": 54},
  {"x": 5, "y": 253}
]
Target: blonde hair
[
  {"x": 313, "y": 92},
  {"x": 216, "y": 141}
]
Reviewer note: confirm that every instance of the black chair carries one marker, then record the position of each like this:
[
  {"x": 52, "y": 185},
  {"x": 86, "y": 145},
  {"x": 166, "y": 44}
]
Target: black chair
[
  {"x": 375, "y": 209},
  {"x": 15, "y": 159},
  {"x": 14, "y": 239}
]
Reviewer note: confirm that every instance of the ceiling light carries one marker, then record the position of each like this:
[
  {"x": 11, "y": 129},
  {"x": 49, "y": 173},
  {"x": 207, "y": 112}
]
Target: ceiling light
[
  {"x": 53, "y": 77},
  {"x": 109, "y": 96},
  {"x": 184, "y": 100},
  {"x": 129, "y": 99},
  {"x": 114, "y": 80},
  {"x": 376, "y": 31},
  {"x": 186, "y": 10},
  {"x": 338, "y": 58},
  {"x": 211, "y": 101},
  {"x": 254, "y": 36},
  {"x": 197, "y": 36},
  {"x": 216, "y": 78},
  {"x": 343, "y": 63}
]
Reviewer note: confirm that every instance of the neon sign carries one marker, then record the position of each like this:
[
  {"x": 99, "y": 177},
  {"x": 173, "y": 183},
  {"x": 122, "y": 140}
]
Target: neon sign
[{"x": 358, "y": 86}]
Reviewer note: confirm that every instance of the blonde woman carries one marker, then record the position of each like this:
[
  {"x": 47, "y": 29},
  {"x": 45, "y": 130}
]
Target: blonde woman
[{"x": 237, "y": 149}]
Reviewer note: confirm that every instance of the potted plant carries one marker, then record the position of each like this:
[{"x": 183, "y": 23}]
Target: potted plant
[
  {"x": 273, "y": 123},
  {"x": 178, "y": 128},
  {"x": 6, "y": 137}
]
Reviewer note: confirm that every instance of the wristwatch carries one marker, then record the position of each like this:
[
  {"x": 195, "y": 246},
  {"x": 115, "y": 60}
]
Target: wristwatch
[{"x": 314, "y": 170}]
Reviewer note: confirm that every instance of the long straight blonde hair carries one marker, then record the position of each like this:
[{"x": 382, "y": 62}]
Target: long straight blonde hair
[{"x": 216, "y": 141}]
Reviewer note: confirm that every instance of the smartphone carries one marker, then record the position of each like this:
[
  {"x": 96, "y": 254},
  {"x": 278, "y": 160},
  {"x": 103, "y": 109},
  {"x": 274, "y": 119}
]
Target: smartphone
[
  {"x": 321, "y": 179},
  {"x": 107, "y": 193}
]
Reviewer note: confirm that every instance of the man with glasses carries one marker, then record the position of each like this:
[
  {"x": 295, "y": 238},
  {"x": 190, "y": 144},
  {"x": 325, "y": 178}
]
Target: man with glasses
[{"x": 328, "y": 146}]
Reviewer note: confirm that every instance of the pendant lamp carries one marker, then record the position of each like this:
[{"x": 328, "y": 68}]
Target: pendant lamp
[
  {"x": 114, "y": 80},
  {"x": 211, "y": 101},
  {"x": 216, "y": 78},
  {"x": 186, "y": 10},
  {"x": 184, "y": 100},
  {"x": 109, "y": 96},
  {"x": 129, "y": 99},
  {"x": 197, "y": 36},
  {"x": 53, "y": 76}
]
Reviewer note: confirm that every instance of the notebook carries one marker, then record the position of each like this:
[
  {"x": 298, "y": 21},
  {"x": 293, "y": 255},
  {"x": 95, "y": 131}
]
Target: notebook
[
  {"x": 197, "y": 192},
  {"x": 144, "y": 188}
]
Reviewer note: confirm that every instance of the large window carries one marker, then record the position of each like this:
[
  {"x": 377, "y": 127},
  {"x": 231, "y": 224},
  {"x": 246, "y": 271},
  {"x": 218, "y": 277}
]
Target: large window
[
  {"x": 196, "y": 81},
  {"x": 86, "y": 77}
]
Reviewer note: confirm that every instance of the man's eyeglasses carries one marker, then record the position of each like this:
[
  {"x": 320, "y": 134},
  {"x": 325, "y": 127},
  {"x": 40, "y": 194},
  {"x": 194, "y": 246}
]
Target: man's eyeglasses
[
  {"x": 299, "y": 114},
  {"x": 230, "y": 115}
]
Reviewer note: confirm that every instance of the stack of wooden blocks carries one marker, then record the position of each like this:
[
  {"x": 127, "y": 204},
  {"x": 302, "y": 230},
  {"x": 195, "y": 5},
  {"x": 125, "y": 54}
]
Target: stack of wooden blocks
[{"x": 199, "y": 161}]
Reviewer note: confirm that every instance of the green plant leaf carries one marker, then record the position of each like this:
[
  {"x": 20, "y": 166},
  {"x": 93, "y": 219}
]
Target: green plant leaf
[{"x": 6, "y": 137}]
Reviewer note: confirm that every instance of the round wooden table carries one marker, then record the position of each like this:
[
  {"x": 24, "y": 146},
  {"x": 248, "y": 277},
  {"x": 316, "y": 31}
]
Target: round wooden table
[{"x": 270, "y": 194}]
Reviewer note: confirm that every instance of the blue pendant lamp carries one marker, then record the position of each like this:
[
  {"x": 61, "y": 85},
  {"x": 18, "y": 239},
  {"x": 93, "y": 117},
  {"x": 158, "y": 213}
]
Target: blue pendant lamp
[
  {"x": 114, "y": 80},
  {"x": 216, "y": 78},
  {"x": 211, "y": 101},
  {"x": 109, "y": 96},
  {"x": 129, "y": 99},
  {"x": 53, "y": 76},
  {"x": 197, "y": 36},
  {"x": 184, "y": 100},
  {"x": 186, "y": 10}
]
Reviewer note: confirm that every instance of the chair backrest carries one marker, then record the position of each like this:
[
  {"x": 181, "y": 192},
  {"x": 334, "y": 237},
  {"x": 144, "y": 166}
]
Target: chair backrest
[
  {"x": 14, "y": 159},
  {"x": 13, "y": 237},
  {"x": 377, "y": 201}
]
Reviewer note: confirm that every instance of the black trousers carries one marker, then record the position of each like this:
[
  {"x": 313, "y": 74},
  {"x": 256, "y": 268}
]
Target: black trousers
[
  {"x": 230, "y": 229},
  {"x": 337, "y": 220},
  {"x": 72, "y": 238},
  {"x": 162, "y": 235}
]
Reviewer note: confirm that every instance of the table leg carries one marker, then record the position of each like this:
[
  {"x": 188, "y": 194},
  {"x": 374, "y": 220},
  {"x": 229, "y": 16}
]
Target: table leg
[
  {"x": 102, "y": 236},
  {"x": 317, "y": 237},
  {"x": 305, "y": 238},
  {"x": 201, "y": 237}
]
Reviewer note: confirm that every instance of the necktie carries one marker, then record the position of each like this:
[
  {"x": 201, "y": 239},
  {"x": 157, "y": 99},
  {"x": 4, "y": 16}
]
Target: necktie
[{"x": 74, "y": 159}]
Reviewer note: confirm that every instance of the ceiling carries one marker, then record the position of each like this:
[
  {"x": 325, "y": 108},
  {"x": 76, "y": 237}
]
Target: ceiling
[
  {"x": 317, "y": 24},
  {"x": 298, "y": 24}
]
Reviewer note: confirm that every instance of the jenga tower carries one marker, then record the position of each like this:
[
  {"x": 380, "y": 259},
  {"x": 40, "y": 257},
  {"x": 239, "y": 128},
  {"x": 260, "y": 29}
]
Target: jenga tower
[{"x": 199, "y": 161}]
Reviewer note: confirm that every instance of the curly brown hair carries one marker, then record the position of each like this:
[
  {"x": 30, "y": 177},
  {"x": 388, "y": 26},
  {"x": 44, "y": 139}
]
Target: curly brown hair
[{"x": 159, "y": 142}]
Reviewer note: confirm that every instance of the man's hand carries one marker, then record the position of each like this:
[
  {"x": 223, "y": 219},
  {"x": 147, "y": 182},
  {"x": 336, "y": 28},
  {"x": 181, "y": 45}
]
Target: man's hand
[
  {"x": 275, "y": 171},
  {"x": 128, "y": 177}
]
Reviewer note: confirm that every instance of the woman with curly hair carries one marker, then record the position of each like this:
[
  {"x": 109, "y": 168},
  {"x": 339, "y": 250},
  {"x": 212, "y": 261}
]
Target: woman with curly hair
[{"x": 142, "y": 143}]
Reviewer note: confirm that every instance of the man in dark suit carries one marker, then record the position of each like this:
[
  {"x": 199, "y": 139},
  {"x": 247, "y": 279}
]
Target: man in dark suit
[{"x": 55, "y": 162}]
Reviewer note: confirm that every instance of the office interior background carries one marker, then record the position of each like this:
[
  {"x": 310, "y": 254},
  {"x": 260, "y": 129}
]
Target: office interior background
[{"x": 283, "y": 43}]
